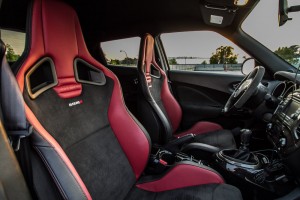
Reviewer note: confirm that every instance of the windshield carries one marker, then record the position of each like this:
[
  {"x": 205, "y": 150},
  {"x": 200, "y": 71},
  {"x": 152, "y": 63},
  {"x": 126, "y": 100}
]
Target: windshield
[{"x": 262, "y": 25}]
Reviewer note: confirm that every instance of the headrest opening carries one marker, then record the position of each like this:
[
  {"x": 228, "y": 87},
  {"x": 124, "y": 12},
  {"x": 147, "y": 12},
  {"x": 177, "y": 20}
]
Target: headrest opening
[
  {"x": 154, "y": 72},
  {"x": 86, "y": 73},
  {"x": 41, "y": 77}
]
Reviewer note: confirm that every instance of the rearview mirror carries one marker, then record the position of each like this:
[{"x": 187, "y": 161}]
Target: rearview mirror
[
  {"x": 283, "y": 10},
  {"x": 240, "y": 2},
  {"x": 248, "y": 65}
]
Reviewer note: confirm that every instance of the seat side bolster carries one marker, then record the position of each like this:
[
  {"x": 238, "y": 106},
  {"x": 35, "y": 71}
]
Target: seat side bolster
[
  {"x": 56, "y": 150},
  {"x": 183, "y": 174}
]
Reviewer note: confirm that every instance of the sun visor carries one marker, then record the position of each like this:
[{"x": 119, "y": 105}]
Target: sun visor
[{"x": 217, "y": 14}]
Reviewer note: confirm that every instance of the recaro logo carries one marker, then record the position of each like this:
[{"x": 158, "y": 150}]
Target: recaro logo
[{"x": 75, "y": 103}]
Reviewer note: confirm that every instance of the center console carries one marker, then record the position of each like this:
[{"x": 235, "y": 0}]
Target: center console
[
  {"x": 276, "y": 170},
  {"x": 284, "y": 130},
  {"x": 263, "y": 169}
]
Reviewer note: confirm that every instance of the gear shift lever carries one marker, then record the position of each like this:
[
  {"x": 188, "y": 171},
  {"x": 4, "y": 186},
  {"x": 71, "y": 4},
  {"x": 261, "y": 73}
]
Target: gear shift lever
[
  {"x": 243, "y": 153},
  {"x": 245, "y": 139}
]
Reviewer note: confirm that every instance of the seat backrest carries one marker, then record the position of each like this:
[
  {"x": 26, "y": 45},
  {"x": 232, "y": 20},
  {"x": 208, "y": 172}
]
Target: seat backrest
[
  {"x": 83, "y": 132},
  {"x": 155, "y": 88}
]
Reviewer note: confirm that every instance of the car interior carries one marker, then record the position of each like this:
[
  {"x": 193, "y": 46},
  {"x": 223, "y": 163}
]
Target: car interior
[{"x": 79, "y": 123}]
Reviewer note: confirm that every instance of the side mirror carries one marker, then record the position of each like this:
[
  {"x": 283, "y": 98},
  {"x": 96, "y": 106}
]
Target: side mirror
[{"x": 248, "y": 66}]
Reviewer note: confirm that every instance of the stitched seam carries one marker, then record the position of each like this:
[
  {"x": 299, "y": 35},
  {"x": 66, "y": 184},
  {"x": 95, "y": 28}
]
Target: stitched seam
[{"x": 87, "y": 136}]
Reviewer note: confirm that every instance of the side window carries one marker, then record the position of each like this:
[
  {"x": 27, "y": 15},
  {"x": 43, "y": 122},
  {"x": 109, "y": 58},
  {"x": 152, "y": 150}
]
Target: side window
[
  {"x": 123, "y": 52},
  {"x": 202, "y": 51},
  {"x": 15, "y": 44}
]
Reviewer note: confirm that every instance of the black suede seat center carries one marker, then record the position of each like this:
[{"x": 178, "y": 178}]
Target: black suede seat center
[{"x": 84, "y": 132}]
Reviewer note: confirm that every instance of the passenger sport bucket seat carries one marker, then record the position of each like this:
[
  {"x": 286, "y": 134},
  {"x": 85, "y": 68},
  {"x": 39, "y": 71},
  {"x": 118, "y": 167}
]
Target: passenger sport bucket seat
[
  {"x": 155, "y": 89},
  {"x": 82, "y": 131}
]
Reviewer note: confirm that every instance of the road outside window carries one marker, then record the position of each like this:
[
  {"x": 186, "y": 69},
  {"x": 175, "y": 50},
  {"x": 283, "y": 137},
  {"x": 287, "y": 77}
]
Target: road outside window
[{"x": 202, "y": 51}]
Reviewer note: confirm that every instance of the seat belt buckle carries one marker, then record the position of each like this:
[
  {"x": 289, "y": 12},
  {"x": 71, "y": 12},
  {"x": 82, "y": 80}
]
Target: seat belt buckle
[
  {"x": 16, "y": 144},
  {"x": 16, "y": 136}
]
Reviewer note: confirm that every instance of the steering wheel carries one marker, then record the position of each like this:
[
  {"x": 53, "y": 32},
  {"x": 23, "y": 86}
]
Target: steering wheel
[{"x": 246, "y": 88}]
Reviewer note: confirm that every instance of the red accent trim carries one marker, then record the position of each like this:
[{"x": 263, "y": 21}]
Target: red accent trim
[
  {"x": 180, "y": 176},
  {"x": 172, "y": 107},
  {"x": 68, "y": 88},
  {"x": 41, "y": 130},
  {"x": 201, "y": 128},
  {"x": 161, "y": 161}
]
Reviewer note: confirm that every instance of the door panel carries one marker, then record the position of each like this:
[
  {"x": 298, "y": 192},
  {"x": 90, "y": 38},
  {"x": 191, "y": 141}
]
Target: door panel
[{"x": 202, "y": 96}]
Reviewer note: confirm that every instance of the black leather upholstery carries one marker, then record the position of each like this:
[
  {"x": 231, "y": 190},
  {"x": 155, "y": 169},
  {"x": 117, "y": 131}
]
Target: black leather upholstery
[
  {"x": 11, "y": 98},
  {"x": 12, "y": 183},
  {"x": 222, "y": 139}
]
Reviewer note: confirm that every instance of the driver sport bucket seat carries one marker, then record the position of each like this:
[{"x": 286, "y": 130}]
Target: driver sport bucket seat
[
  {"x": 89, "y": 143},
  {"x": 165, "y": 108}
]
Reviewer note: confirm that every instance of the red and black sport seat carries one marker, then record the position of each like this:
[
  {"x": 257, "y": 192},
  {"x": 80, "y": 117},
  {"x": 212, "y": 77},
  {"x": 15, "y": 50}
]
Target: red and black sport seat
[
  {"x": 87, "y": 139},
  {"x": 167, "y": 111}
]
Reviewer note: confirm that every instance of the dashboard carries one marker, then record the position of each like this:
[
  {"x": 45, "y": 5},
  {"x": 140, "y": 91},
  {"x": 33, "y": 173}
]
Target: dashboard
[
  {"x": 284, "y": 129},
  {"x": 283, "y": 125}
]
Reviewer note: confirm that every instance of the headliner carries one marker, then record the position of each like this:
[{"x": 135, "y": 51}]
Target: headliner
[{"x": 114, "y": 19}]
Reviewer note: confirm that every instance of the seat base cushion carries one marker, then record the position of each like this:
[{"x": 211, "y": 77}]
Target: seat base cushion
[
  {"x": 222, "y": 139},
  {"x": 204, "y": 192}
]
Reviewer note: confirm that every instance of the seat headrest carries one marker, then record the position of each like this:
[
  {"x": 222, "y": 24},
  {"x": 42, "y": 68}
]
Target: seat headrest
[
  {"x": 55, "y": 32},
  {"x": 148, "y": 65},
  {"x": 148, "y": 52}
]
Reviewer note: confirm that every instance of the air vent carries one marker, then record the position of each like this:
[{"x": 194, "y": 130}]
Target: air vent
[
  {"x": 86, "y": 73},
  {"x": 41, "y": 77}
]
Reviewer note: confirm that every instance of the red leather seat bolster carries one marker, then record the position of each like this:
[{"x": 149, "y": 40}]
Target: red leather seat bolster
[
  {"x": 182, "y": 175},
  {"x": 172, "y": 107},
  {"x": 201, "y": 128},
  {"x": 127, "y": 131}
]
